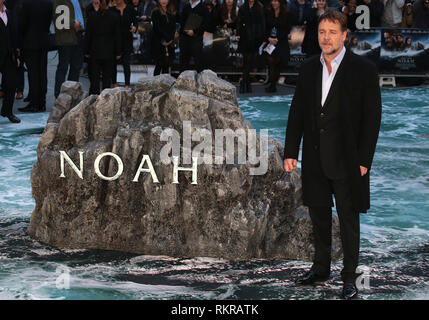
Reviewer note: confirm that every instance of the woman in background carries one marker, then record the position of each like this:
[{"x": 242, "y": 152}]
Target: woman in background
[
  {"x": 93, "y": 7},
  {"x": 138, "y": 8},
  {"x": 164, "y": 34},
  {"x": 310, "y": 44},
  {"x": 228, "y": 14},
  {"x": 128, "y": 25},
  {"x": 278, "y": 26},
  {"x": 251, "y": 30}
]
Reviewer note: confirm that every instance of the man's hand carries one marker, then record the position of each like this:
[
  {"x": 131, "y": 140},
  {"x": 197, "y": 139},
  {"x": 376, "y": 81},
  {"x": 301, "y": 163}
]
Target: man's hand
[
  {"x": 363, "y": 170},
  {"x": 190, "y": 32},
  {"x": 77, "y": 25},
  {"x": 290, "y": 164},
  {"x": 273, "y": 41}
]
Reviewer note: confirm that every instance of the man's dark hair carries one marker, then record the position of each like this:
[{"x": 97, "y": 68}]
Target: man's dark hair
[{"x": 335, "y": 16}]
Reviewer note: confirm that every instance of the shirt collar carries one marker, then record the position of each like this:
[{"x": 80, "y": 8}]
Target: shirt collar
[
  {"x": 337, "y": 60},
  {"x": 193, "y": 5}
]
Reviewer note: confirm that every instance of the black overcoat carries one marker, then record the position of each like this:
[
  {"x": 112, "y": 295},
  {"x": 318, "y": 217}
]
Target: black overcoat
[
  {"x": 250, "y": 27},
  {"x": 356, "y": 82}
]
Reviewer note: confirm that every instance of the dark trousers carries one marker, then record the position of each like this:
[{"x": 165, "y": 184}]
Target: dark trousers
[
  {"x": 274, "y": 69},
  {"x": 103, "y": 68},
  {"x": 20, "y": 78},
  {"x": 70, "y": 59},
  {"x": 37, "y": 65},
  {"x": 8, "y": 71},
  {"x": 249, "y": 61},
  {"x": 191, "y": 48},
  {"x": 321, "y": 218},
  {"x": 125, "y": 61},
  {"x": 162, "y": 65}
]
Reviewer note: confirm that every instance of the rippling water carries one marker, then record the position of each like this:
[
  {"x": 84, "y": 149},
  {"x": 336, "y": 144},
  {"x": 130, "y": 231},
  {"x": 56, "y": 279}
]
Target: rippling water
[{"x": 394, "y": 242}]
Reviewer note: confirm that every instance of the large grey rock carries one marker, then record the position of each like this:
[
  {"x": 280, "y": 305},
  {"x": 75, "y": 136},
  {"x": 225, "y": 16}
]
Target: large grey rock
[{"x": 228, "y": 213}]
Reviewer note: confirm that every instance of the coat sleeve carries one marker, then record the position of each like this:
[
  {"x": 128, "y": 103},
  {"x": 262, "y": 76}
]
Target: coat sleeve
[
  {"x": 204, "y": 26},
  {"x": 134, "y": 20},
  {"x": 239, "y": 22},
  {"x": 371, "y": 118},
  {"x": 118, "y": 37},
  {"x": 23, "y": 19},
  {"x": 295, "y": 123},
  {"x": 88, "y": 36}
]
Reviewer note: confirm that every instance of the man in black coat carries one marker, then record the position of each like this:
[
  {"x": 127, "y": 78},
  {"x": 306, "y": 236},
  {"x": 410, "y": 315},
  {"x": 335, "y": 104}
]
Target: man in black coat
[
  {"x": 8, "y": 62},
  {"x": 337, "y": 110},
  {"x": 194, "y": 19},
  {"x": 34, "y": 24},
  {"x": 102, "y": 45}
]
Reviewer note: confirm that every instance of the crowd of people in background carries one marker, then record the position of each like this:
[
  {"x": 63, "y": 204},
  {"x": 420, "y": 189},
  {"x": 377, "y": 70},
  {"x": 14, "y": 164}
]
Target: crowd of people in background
[{"x": 101, "y": 32}]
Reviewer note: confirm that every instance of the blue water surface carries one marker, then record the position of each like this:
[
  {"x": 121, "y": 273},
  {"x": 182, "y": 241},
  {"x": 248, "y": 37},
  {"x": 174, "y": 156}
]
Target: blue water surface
[{"x": 394, "y": 233}]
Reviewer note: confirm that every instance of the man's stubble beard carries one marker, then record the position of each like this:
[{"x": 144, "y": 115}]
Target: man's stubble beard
[{"x": 332, "y": 51}]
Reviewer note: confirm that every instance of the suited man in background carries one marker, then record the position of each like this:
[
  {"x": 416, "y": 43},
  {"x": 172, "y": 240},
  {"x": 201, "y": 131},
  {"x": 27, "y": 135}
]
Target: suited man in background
[
  {"x": 336, "y": 108},
  {"x": 191, "y": 40},
  {"x": 102, "y": 46},
  {"x": 8, "y": 62},
  {"x": 35, "y": 20}
]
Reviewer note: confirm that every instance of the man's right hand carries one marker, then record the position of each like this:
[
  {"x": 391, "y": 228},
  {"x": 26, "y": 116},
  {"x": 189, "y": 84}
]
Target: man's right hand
[
  {"x": 290, "y": 164},
  {"x": 77, "y": 25}
]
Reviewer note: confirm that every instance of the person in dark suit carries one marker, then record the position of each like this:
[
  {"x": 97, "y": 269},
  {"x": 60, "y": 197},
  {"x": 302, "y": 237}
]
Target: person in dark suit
[
  {"x": 128, "y": 25},
  {"x": 8, "y": 62},
  {"x": 13, "y": 6},
  {"x": 34, "y": 23},
  {"x": 102, "y": 45},
  {"x": 191, "y": 40},
  {"x": 164, "y": 34},
  {"x": 278, "y": 25},
  {"x": 310, "y": 43},
  {"x": 336, "y": 108},
  {"x": 251, "y": 32}
]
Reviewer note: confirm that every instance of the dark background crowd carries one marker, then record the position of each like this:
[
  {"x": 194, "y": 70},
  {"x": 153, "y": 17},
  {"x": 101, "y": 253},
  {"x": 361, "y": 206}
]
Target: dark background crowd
[{"x": 100, "y": 33}]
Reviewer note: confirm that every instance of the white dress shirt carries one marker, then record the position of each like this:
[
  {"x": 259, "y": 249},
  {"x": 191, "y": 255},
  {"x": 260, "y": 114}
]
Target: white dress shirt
[
  {"x": 3, "y": 15},
  {"x": 327, "y": 78}
]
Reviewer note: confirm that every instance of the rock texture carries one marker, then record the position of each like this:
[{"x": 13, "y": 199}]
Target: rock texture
[{"x": 228, "y": 214}]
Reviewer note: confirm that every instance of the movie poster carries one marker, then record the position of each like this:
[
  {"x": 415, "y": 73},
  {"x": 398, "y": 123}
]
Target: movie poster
[
  {"x": 404, "y": 50},
  {"x": 365, "y": 43},
  {"x": 296, "y": 37}
]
